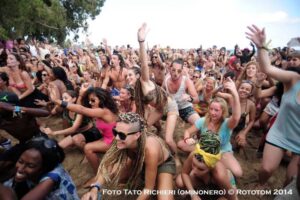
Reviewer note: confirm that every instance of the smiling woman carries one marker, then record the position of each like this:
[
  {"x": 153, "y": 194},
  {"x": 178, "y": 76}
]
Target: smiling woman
[{"x": 39, "y": 174}]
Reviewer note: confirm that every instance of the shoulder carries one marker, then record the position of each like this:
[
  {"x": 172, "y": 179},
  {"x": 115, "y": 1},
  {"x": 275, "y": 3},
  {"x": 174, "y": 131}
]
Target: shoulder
[{"x": 152, "y": 146}]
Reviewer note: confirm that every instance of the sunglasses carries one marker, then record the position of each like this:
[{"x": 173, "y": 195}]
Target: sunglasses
[
  {"x": 48, "y": 143},
  {"x": 122, "y": 135},
  {"x": 196, "y": 77},
  {"x": 44, "y": 74}
]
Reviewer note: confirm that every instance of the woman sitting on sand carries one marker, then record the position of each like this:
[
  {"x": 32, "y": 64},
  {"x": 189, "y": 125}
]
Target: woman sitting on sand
[
  {"x": 134, "y": 157},
  {"x": 81, "y": 129},
  {"x": 201, "y": 168},
  {"x": 39, "y": 174},
  {"x": 216, "y": 120},
  {"x": 98, "y": 104}
]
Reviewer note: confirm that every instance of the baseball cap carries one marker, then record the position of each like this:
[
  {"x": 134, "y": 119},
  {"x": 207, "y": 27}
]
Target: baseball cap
[{"x": 9, "y": 97}]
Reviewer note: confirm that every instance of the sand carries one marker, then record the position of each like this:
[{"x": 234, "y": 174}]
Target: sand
[{"x": 81, "y": 171}]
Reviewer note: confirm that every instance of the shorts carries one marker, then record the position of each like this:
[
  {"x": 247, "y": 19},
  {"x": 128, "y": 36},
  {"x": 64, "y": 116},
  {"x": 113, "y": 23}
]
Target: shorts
[
  {"x": 271, "y": 109},
  {"x": 92, "y": 134},
  {"x": 185, "y": 113},
  {"x": 270, "y": 143},
  {"x": 168, "y": 166}
]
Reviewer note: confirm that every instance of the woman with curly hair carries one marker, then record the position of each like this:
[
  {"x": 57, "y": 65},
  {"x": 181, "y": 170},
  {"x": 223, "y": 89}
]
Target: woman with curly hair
[
  {"x": 98, "y": 104},
  {"x": 134, "y": 156}
]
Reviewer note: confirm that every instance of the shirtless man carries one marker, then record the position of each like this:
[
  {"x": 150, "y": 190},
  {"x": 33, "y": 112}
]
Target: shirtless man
[
  {"x": 117, "y": 73},
  {"x": 158, "y": 69}
]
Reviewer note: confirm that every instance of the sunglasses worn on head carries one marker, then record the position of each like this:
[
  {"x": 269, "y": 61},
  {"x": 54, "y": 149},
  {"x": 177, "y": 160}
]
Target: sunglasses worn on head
[
  {"x": 48, "y": 143},
  {"x": 122, "y": 135}
]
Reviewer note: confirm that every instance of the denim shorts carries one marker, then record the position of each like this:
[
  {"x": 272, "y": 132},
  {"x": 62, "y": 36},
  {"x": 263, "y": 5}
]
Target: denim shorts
[{"x": 185, "y": 113}]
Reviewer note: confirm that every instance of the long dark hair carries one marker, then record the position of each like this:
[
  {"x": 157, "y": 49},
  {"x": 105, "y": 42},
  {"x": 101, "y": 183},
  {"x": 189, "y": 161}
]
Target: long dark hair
[
  {"x": 106, "y": 101},
  {"x": 60, "y": 74}
]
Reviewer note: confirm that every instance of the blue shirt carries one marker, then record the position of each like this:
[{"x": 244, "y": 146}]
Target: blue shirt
[
  {"x": 224, "y": 133},
  {"x": 64, "y": 188},
  {"x": 285, "y": 131}
]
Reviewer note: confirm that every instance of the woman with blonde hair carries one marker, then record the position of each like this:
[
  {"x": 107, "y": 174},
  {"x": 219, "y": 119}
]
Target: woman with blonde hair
[
  {"x": 135, "y": 157},
  {"x": 217, "y": 121}
]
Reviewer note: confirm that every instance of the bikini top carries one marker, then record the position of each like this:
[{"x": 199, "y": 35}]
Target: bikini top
[
  {"x": 242, "y": 123},
  {"x": 18, "y": 86}
]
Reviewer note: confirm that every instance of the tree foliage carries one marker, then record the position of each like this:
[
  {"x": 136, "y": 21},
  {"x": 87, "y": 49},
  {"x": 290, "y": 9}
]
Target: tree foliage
[{"x": 49, "y": 18}]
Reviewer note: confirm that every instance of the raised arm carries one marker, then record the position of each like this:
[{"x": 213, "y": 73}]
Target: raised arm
[
  {"x": 258, "y": 37},
  {"x": 145, "y": 76},
  {"x": 236, "y": 107}
]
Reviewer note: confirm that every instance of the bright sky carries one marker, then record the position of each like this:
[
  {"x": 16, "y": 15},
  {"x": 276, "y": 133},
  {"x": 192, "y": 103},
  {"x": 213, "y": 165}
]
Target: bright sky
[{"x": 189, "y": 23}]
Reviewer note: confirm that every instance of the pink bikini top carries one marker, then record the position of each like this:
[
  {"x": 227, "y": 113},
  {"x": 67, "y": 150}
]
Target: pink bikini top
[{"x": 18, "y": 86}]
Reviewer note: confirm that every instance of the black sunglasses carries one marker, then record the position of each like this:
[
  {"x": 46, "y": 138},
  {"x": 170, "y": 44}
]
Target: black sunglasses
[
  {"x": 122, "y": 135},
  {"x": 44, "y": 74}
]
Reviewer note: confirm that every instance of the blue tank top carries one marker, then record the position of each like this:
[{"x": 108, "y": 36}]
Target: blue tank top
[{"x": 285, "y": 132}]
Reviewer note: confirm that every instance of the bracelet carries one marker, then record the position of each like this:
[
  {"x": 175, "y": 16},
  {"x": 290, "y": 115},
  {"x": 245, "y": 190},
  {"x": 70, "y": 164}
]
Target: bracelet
[
  {"x": 96, "y": 185},
  {"x": 141, "y": 41},
  {"x": 63, "y": 104},
  {"x": 264, "y": 47},
  {"x": 17, "y": 109}
]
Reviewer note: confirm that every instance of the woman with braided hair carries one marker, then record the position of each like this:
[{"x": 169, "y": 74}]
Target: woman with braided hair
[
  {"x": 135, "y": 155},
  {"x": 153, "y": 98}
]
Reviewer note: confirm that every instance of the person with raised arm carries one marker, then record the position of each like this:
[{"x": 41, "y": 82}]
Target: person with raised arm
[
  {"x": 217, "y": 120},
  {"x": 153, "y": 97},
  {"x": 284, "y": 134}
]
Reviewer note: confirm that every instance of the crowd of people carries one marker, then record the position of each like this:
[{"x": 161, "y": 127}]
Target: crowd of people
[{"x": 109, "y": 99}]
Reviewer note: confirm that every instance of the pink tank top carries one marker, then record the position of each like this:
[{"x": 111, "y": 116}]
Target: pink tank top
[{"x": 106, "y": 130}]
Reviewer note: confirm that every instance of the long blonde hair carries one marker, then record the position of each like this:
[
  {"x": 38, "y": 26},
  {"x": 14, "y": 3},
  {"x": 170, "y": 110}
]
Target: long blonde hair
[
  {"x": 224, "y": 108},
  {"x": 116, "y": 158}
]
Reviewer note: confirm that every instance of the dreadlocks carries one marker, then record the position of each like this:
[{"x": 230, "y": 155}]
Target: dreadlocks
[
  {"x": 116, "y": 158},
  {"x": 159, "y": 95}
]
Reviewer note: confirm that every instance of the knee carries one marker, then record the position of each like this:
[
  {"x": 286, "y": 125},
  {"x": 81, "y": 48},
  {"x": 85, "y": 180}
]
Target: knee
[
  {"x": 237, "y": 172},
  {"x": 87, "y": 149},
  {"x": 179, "y": 182},
  {"x": 266, "y": 169},
  {"x": 76, "y": 140}
]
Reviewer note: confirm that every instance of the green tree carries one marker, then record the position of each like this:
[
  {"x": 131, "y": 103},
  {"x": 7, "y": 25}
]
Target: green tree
[{"x": 53, "y": 19}]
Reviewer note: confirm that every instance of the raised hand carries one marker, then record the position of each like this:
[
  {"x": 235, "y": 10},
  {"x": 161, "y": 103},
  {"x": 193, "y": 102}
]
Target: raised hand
[
  {"x": 260, "y": 77},
  {"x": 256, "y": 35},
  {"x": 84, "y": 87},
  {"x": 230, "y": 85},
  {"x": 104, "y": 41},
  {"x": 142, "y": 33}
]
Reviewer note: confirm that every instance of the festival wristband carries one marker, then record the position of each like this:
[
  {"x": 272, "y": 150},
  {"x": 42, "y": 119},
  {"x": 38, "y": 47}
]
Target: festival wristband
[{"x": 95, "y": 185}]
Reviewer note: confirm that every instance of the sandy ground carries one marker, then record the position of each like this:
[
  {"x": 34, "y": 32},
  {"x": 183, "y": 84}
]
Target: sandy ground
[{"x": 81, "y": 171}]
